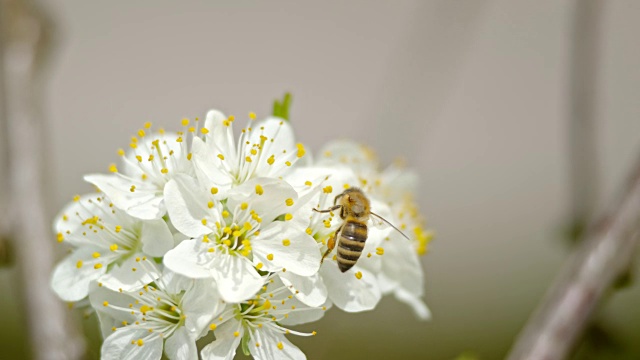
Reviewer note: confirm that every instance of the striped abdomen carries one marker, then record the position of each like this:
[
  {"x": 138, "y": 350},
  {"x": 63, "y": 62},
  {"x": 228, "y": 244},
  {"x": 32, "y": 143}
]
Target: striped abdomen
[{"x": 351, "y": 241}]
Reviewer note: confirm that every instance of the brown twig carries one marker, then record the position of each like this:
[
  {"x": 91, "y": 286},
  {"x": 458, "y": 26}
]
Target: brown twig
[
  {"x": 604, "y": 256},
  {"x": 25, "y": 35}
]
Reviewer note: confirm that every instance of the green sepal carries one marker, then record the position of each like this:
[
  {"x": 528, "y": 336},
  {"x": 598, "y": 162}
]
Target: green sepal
[
  {"x": 281, "y": 108},
  {"x": 245, "y": 344}
]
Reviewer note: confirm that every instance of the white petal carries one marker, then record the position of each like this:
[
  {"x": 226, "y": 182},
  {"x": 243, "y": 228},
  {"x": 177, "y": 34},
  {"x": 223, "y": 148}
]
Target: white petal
[
  {"x": 236, "y": 277},
  {"x": 220, "y": 137},
  {"x": 357, "y": 156},
  {"x": 209, "y": 168},
  {"x": 200, "y": 304},
  {"x": 179, "y": 346},
  {"x": 268, "y": 349},
  {"x": 418, "y": 306},
  {"x": 144, "y": 203},
  {"x": 348, "y": 292},
  {"x": 308, "y": 289},
  {"x": 156, "y": 238},
  {"x": 185, "y": 259},
  {"x": 131, "y": 275},
  {"x": 225, "y": 345},
  {"x": 270, "y": 204},
  {"x": 301, "y": 256},
  {"x": 117, "y": 306},
  {"x": 71, "y": 282},
  {"x": 187, "y": 205},
  {"x": 401, "y": 264},
  {"x": 119, "y": 346}
]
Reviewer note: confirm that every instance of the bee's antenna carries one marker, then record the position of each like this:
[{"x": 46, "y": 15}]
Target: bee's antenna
[{"x": 390, "y": 224}]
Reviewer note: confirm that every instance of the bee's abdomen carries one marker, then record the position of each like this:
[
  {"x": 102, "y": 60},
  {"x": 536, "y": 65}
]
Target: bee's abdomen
[{"x": 350, "y": 244}]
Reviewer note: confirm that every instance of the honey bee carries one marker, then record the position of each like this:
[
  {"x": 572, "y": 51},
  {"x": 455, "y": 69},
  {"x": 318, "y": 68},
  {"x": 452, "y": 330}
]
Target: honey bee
[{"x": 355, "y": 210}]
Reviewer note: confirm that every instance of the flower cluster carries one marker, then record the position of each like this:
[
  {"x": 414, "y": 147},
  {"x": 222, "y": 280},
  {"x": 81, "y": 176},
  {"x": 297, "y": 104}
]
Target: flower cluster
[{"x": 199, "y": 231}]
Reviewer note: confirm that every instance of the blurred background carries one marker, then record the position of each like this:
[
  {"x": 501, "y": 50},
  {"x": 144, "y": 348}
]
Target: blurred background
[{"x": 482, "y": 98}]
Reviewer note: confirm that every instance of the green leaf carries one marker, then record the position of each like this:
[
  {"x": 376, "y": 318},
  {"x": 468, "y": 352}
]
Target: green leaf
[{"x": 281, "y": 108}]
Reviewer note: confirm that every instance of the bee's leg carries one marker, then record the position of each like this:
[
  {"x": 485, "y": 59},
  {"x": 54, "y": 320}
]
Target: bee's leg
[
  {"x": 336, "y": 207},
  {"x": 331, "y": 244}
]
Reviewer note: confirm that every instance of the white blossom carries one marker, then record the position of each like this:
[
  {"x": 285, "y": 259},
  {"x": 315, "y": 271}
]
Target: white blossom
[
  {"x": 251, "y": 232},
  {"x": 170, "y": 315},
  {"x": 150, "y": 163},
  {"x": 108, "y": 245},
  {"x": 259, "y": 325}
]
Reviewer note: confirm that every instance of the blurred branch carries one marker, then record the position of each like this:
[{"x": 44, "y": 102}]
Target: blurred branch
[
  {"x": 604, "y": 256},
  {"x": 25, "y": 36}
]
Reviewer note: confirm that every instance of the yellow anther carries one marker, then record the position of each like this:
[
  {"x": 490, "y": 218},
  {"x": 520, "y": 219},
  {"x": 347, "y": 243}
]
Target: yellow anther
[
  {"x": 232, "y": 118},
  {"x": 227, "y": 242},
  {"x": 60, "y": 237},
  {"x": 214, "y": 190},
  {"x": 113, "y": 168},
  {"x": 225, "y": 213},
  {"x": 118, "y": 228},
  {"x": 185, "y": 122},
  {"x": 236, "y": 233},
  {"x": 271, "y": 160},
  {"x": 161, "y": 131},
  {"x": 248, "y": 159},
  {"x": 151, "y": 157},
  {"x": 226, "y": 122},
  {"x": 204, "y": 130},
  {"x": 358, "y": 275},
  {"x": 259, "y": 266},
  {"x": 286, "y": 242},
  {"x": 133, "y": 188},
  {"x": 134, "y": 139},
  {"x": 139, "y": 158},
  {"x": 121, "y": 152},
  {"x": 179, "y": 139},
  {"x": 211, "y": 250},
  {"x": 113, "y": 247},
  {"x": 79, "y": 264},
  {"x": 346, "y": 186},
  {"x": 280, "y": 346},
  {"x": 210, "y": 204},
  {"x": 327, "y": 189},
  {"x": 189, "y": 156},
  {"x": 213, "y": 327},
  {"x": 247, "y": 226},
  {"x": 236, "y": 333},
  {"x": 252, "y": 115},
  {"x": 244, "y": 206},
  {"x": 308, "y": 183},
  {"x": 379, "y": 251},
  {"x": 140, "y": 342},
  {"x": 204, "y": 221},
  {"x": 301, "y": 150},
  {"x": 309, "y": 231},
  {"x": 141, "y": 133},
  {"x": 227, "y": 230},
  {"x": 192, "y": 129},
  {"x": 97, "y": 266},
  {"x": 220, "y": 156},
  {"x": 133, "y": 145},
  {"x": 313, "y": 333},
  {"x": 95, "y": 255},
  {"x": 205, "y": 239},
  {"x": 288, "y": 217},
  {"x": 164, "y": 170},
  {"x": 288, "y": 163},
  {"x": 106, "y": 303},
  {"x": 254, "y": 152},
  {"x": 259, "y": 189},
  {"x": 147, "y": 125},
  {"x": 289, "y": 202},
  {"x": 270, "y": 257}
]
